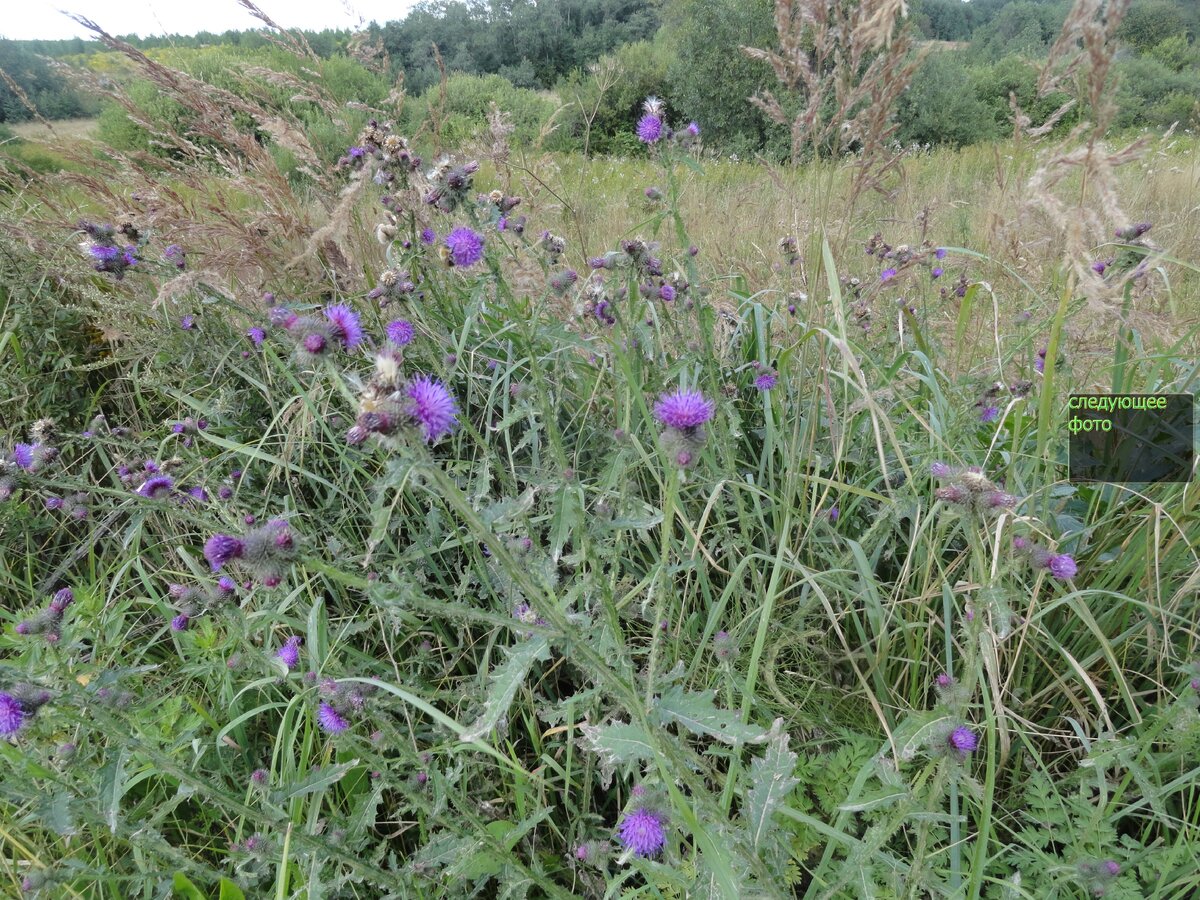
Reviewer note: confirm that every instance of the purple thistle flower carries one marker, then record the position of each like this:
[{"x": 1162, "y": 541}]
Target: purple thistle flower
[
  {"x": 667, "y": 292},
  {"x": 937, "y": 271},
  {"x": 1062, "y": 566},
  {"x": 226, "y": 585},
  {"x": 399, "y": 332},
  {"x": 649, "y": 129},
  {"x": 257, "y": 336},
  {"x": 355, "y": 152},
  {"x": 53, "y": 502},
  {"x": 989, "y": 414},
  {"x": 188, "y": 322},
  {"x": 23, "y": 455},
  {"x": 259, "y": 776},
  {"x": 642, "y": 832},
  {"x": 290, "y": 652},
  {"x": 693, "y": 129},
  {"x": 944, "y": 681},
  {"x": 940, "y": 470},
  {"x": 103, "y": 253},
  {"x": 887, "y": 274},
  {"x": 834, "y": 515},
  {"x": 63, "y": 598},
  {"x": 1112, "y": 868},
  {"x": 330, "y": 719},
  {"x": 221, "y": 548},
  {"x": 466, "y": 247},
  {"x": 180, "y": 622},
  {"x": 175, "y": 254},
  {"x": 12, "y": 716},
  {"x": 157, "y": 487},
  {"x": 345, "y": 324},
  {"x": 683, "y": 409},
  {"x": 963, "y": 740},
  {"x": 766, "y": 381},
  {"x": 431, "y": 407},
  {"x": 428, "y": 236},
  {"x": 940, "y": 253}
]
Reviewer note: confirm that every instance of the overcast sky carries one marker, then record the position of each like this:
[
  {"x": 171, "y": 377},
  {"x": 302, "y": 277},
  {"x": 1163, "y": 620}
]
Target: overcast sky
[{"x": 29, "y": 19}]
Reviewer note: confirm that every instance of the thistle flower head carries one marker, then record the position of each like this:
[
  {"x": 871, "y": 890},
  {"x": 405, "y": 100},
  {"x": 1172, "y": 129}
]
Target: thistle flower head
[
  {"x": 465, "y": 246},
  {"x": 221, "y": 548},
  {"x": 330, "y": 719},
  {"x": 431, "y": 407},
  {"x": 289, "y": 653},
  {"x": 766, "y": 380},
  {"x": 1062, "y": 566},
  {"x": 684, "y": 409},
  {"x": 649, "y": 129},
  {"x": 12, "y": 715},
  {"x": 156, "y": 487},
  {"x": 643, "y": 832},
  {"x": 400, "y": 332},
  {"x": 345, "y": 323},
  {"x": 963, "y": 739}
]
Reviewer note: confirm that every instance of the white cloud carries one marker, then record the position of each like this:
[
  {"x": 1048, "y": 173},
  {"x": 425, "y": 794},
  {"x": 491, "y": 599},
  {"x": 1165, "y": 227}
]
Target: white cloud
[{"x": 33, "y": 19}]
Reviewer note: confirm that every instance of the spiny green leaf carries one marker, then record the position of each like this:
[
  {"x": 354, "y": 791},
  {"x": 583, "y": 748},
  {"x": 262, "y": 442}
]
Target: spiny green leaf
[
  {"x": 773, "y": 777},
  {"x": 696, "y": 711},
  {"x": 505, "y": 680}
]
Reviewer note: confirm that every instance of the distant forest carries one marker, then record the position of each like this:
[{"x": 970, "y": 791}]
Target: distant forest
[{"x": 604, "y": 56}]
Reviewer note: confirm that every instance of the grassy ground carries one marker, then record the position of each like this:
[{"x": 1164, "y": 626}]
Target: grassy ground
[{"x": 548, "y": 623}]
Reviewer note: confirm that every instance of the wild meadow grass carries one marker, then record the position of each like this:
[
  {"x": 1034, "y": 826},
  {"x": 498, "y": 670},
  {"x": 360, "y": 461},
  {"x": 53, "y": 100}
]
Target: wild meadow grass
[{"x": 713, "y": 543}]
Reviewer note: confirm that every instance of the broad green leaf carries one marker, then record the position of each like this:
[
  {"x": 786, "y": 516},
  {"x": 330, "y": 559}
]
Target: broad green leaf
[
  {"x": 230, "y": 891},
  {"x": 617, "y": 745},
  {"x": 112, "y": 788},
  {"x": 184, "y": 889},
  {"x": 319, "y": 780}
]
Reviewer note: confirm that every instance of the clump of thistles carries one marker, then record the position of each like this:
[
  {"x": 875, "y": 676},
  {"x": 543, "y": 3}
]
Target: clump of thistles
[
  {"x": 391, "y": 404},
  {"x": 18, "y": 705},
  {"x": 969, "y": 489},
  {"x": 317, "y": 337},
  {"x": 652, "y": 127},
  {"x": 340, "y": 703},
  {"x": 266, "y": 551},
  {"x": 394, "y": 284},
  {"x": 1060, "y": 565},
  {"x": 48, "y": 622},
  {"x": 450, "y": 184},
  {"x": 683, "y": 415},
  {"x": 104, "y": 250}
]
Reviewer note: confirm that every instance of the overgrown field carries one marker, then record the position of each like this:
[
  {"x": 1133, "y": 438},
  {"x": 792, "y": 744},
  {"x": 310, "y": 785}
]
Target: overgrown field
[{"x": 513, "y": 524}]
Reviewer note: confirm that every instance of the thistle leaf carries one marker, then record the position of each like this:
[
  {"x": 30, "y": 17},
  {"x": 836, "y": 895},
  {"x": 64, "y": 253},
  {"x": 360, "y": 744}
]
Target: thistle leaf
[
  {"x": 504, "y": 682},
  {"x": 773, "y": 777}
]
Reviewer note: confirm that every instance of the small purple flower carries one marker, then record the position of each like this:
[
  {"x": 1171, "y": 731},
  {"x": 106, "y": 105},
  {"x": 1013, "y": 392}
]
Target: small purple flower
[
  {"x": 330, "y": 719},
  {"x": 226, "y": 585},
  {"x": 667, "y": 292},
  {"x": 940, "y": 470},
  {"x": 1112, "y": 868},
  {"x": 399, "y": 332},
  {"x": 432, "y": 408},
  {"x": 104, "y": 253},
  {"x": 766, "y": 381},
  {"x": 180, "y": 622},
  {"x": 259, "y": 776},
  {"x": 642, "y": 832},
  {"x": 289, "y": 653},
  {"x": 943, "y": 680},
  {"x": 693, "y": 129},
  {"x": 175, "y": 254},
  {"x": 345, "y": 324},
  {"x": 683, "y": 409},
  {"x": 428, "y": 236},
  {"x": 314, "y": 343},
  {"x": 257, "y": 336},
  {"x": 221, "y": 548},
  {"x": 53, "y": 502},
  {"x": 940, "y": 253},
  {"x": 188, "y": 322},
  {"x": 649, "y": 129},
  {"x": 887, "y": 274},
  {"x": 937, "y": 271},
  {"x": 356, "y": 152},
  {"x": 156, "y": 487},
  {"x": 989, "y": 414},
  {"x": 12, "y": 716},
  {"x": 963, "y": 740},
  {"x": 834, "y": 515},
  {"x": 1062, "y": 566},
  {"x": 466, "y": 247}
]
